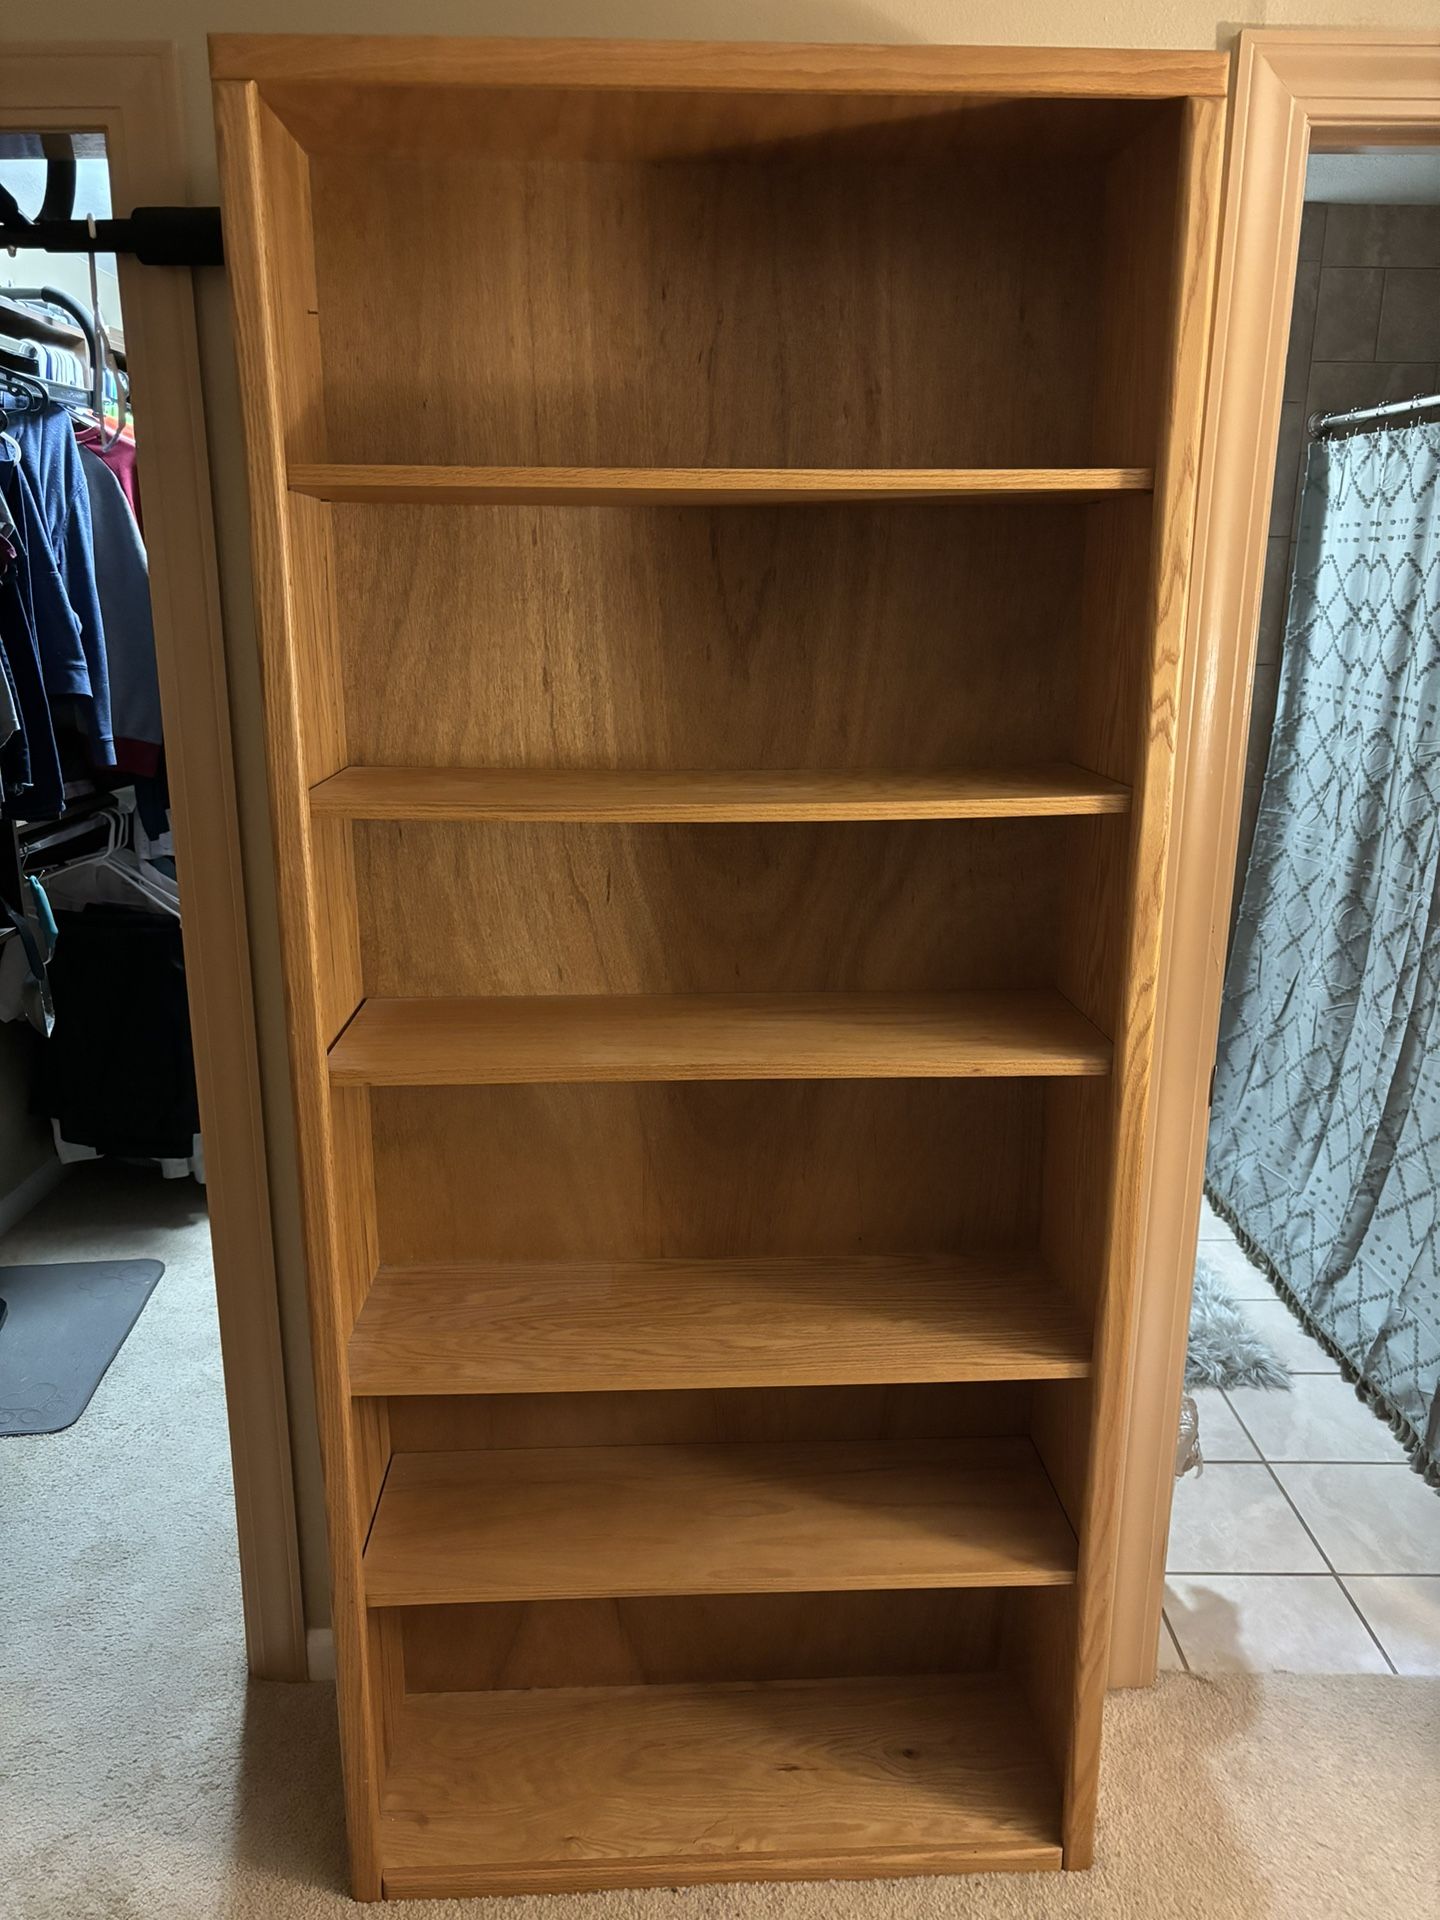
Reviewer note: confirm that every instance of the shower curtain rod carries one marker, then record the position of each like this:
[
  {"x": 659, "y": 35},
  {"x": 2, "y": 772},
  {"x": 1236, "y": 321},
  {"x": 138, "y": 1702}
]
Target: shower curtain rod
[{"x": 1323, "y": 422}]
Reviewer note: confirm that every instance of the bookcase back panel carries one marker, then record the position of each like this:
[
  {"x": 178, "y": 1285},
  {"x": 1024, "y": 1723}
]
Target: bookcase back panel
[
  {"x": 841, "y": 636},
  {"x": 739, "y": 311},
  {"x": 704, "y": 1169},
  {"x": 664, "y": 1641},
  {"x": 515, "y": 908},
  {"x": 684, "y": 1416}
]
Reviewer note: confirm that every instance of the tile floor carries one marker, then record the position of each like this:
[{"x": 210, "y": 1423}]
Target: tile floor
[{"x": 1307, "y": 1545}]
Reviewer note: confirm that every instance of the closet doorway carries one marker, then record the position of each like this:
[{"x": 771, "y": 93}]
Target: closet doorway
[
  {"x": 177, "y": 1471},
  {"x": 1309, "y": 1545}
]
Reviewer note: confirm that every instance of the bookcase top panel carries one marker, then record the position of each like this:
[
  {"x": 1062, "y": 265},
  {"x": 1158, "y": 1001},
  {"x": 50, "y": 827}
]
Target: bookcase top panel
[
  {"x": 581, "y": 99},
  {"x": 733, "y": 66}
]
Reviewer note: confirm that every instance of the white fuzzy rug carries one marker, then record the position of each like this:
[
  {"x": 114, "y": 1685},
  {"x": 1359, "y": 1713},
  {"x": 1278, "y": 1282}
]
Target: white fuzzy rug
[{"x": 1224, "y": 1349}]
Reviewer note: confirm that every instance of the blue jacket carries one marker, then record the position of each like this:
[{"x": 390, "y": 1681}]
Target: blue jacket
[{"x": 70, "y": 631}]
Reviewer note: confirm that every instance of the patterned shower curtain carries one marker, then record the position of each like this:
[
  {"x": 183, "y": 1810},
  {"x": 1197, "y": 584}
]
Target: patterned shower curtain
[{"x": 1324, "y": 1149}]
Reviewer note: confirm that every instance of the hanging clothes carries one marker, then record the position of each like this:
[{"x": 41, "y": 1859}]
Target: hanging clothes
[
  {"x": 31, "y": 596},
  {"x": 119, "y": 456},
  {"x": 9, "y": 554},
  {"x": 123, "y": 575},
  {"x": 79, "y": 699},
  {"x": 72, "y": 649}
]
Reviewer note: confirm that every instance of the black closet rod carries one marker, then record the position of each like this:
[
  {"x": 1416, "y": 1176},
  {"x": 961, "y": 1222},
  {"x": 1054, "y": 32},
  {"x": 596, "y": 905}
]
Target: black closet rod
[{"x": 156, "y": 236}]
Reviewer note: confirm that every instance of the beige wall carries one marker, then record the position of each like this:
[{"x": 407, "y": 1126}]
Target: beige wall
[{"x": 1156, "y": 23}]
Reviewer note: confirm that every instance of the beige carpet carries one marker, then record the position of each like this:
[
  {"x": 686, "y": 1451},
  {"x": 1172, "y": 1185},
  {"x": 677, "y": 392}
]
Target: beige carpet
[{"x": 144, "y": 1780}]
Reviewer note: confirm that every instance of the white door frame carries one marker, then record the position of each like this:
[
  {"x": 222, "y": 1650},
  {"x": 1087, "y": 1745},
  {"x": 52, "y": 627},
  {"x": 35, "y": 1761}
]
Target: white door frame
[
  {"x": 1336, "y": 89},
  {"x": 129, "y": 92}
]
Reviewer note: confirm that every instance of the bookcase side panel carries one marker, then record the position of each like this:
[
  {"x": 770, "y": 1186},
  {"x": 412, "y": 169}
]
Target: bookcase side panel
[
  {"x": 1167, "y": 190},
  {"x": 265, "y": 187}
]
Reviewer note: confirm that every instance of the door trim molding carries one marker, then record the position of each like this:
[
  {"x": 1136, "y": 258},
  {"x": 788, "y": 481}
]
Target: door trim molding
[
  {"x": 129, "y": 92},
  {"x": 1334, "y": 90}
]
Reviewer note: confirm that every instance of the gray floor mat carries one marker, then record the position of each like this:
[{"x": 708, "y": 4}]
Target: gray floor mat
[{"x": 65, "y": 1324}]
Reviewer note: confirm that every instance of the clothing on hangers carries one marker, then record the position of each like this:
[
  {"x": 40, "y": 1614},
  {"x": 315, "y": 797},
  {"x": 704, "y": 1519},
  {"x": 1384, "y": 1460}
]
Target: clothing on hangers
[
  {"x": 32, "y": 597},
  {"x": 79, "y": 695},
  {"x": 123, "y": 575},
  {"x": 119, "y": 455},
  {"x": 73, "y": 650}
]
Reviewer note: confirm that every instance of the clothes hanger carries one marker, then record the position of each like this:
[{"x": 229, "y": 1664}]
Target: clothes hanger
[
  {"x": 94, "y": 396},
  {"x": 21, "y": 388}
]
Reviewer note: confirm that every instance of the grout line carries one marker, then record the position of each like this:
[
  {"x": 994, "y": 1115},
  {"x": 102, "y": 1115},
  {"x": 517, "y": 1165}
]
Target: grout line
[
  {"x": 1284, "y": 1495},
  {"x": 1225, "y": 1396},
  {"x": 1270, "y": 1573},
  {"x": 1359, "y": 1615},
  {"x": 1388, "y": 1465},
  {"x": 1270, "y": 1460}
]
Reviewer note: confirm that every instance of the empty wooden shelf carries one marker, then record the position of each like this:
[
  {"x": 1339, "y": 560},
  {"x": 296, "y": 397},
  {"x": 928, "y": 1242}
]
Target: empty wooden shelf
[
  {"x": 601, "y": 794},
  {"x": 581, "y": 1326},
  {"x": 720, "y": 886},
  {"x": 741, "y": 1036},
  {"x": 544, "y": 1523},
  {"x": 702, "y": 486},
  {"x": 650, "y": 1786}
]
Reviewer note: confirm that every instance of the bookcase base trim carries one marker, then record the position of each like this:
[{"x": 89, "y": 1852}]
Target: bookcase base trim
[{"x": 477, "y": 1882}]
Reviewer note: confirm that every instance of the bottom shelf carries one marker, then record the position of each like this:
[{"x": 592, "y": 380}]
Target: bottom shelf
[{"x": 573, "y": 1788}]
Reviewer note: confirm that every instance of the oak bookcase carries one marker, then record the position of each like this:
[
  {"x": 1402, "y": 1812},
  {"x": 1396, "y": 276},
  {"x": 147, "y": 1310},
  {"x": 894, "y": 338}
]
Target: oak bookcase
[{"x": 721, "y": 525}]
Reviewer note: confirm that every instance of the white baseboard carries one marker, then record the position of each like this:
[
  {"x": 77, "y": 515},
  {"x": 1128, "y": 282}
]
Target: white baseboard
[
  {"x": 31, "y": 1191},
  {"x": 320, "y": 1653}
]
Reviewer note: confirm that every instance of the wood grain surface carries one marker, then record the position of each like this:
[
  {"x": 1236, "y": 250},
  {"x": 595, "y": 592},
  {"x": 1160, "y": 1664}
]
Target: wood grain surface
[
  {"x": 700, "y": 486},
  {"x": 324, "y": 61},
  {"x": 671, "y": 1639},
  {"x": 569, "y": 1327},
  {"x": 656, "y": 1417},
  {"x": 558, "y": 1037},
  {"x": 862, "y": 906},
  {"x": 644, "y": 1786},
  {"x": 786, "y": 794},
  {"x": 852, "y": 638},
  {"x": 775, "y": 327},
  {"x": 565, "y": 1522},
  {"x": 700, "y": 1169},
  {"x": 268, "y": 214}
]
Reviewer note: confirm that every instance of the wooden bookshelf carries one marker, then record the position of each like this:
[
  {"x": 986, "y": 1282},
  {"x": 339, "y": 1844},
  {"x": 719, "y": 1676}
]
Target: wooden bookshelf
[
  {"x": 553, "y": 1523},
  {"x": 720, "y": 886},
  {"x": 658, "y": 797},
  {"x": 587, "y": 1326},
  {"x": 715, "y": 1036},
  {"x": 702, "y": 486}
]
